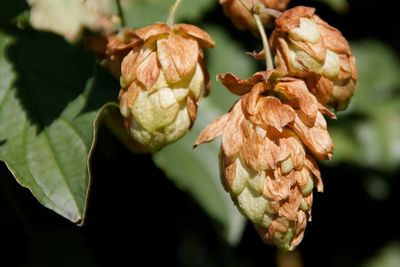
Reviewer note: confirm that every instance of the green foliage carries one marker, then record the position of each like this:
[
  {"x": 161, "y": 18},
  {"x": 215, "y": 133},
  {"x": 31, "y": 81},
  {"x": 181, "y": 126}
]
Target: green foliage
[
  {"x": 157, "y": 10},
  {"x": 69, "y": 18},
  {"x": 50, "y": 104},
  {"x": 339, "y": 6},
  {"x": 369, "y": 132},
  {"x": 389, "y": 256}
]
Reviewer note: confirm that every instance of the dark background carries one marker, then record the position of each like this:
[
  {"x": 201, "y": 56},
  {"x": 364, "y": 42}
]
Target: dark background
[{"x": 349, "y": 226}]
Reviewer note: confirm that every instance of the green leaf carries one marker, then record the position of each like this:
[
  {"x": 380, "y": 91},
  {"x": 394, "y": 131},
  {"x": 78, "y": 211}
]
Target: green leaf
[
  {"x": 340, "y": 6},
  {"x": 368, "y": 133},
  {"x": 379, "y": 68},
  {"x": 50, "y": 100},
  {"x": 158, "y": 10},
  {"x": 389, "y": 256},
  {"x": 68, "y": 18},
  {"x": 196, "y": 170}
]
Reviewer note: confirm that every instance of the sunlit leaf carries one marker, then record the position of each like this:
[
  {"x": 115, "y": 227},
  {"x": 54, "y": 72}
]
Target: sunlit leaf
[
  {"x": 49, "y": 104},
  {"x": 69, "y": 18}
]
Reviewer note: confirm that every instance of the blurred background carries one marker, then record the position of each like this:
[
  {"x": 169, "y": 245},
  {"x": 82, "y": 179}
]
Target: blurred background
[{"x": 170, "y": 209}]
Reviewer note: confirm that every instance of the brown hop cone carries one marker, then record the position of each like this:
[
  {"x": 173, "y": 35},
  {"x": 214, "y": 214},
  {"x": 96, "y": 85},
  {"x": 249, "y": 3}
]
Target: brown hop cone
[
  {"x": 162, "y": 79},
  {"x": 269, "y": 141},
  {"x": 307, "y": 47},
  {"x": 242, "y": 18}
]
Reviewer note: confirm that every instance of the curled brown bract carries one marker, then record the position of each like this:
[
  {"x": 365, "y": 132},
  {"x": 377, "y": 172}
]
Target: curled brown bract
[{"x": 269, "y": 140}]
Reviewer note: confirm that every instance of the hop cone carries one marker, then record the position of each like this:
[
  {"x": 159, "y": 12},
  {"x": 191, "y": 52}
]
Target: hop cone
[
  {"x": 162, "y": 79},
  {"x": 305, "y": 46},
  {"x": 243, "y": 19},
  {"x": 269, "y": 141}
]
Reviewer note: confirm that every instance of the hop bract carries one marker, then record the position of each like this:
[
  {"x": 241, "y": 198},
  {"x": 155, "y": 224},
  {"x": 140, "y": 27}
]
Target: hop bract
[
  {"x": 269, "y": 141},
  {"x": 162, "y": 79},
  {"x": 243, "y": 19},
  {"x": 307, "y": 47}
]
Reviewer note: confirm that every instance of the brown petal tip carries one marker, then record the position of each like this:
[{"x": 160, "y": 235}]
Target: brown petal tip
[
  {"x": 201, "y": 36},
  {"x": 213, "y": 130}
]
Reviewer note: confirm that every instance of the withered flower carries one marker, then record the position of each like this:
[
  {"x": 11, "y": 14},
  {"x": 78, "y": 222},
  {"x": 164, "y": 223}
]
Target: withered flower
[
  {"x": 269, "y": 141},
  {"x": 242, "y": 18},
  {"x": 162, "y": 79},
  {"x": 305, "y": 46}
]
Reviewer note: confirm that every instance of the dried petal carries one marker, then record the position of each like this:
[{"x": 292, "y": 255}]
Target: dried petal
[
  {"x": 296, "y": 90},
  {"x": 184, "y": 53},
  {"x": 213, "y": 130},
  {"x": 192, "y": 108},
  {"x": 127, "y": 98},
  {"x": 237, "y": 85},
  {"x": 203, "y": 38},
  {"x": 232, "y": 134},
  {"x": 291, "y": 206},
  {"x": 252, "y": 147},
  {"x": 167, "y": 64},
  {"x": 153, "y": 30},
  {"x": 271, "y": 112},
  {"x": 312, "y": 166},
  {"x": 148, "y": 71},
  {"x": 316, "y": 138}
]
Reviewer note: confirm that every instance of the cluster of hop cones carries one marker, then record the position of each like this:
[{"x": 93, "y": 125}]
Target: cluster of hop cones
[{"x": 273, "y": 134}]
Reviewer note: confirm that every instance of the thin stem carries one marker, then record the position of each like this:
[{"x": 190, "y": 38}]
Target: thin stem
[
  {"x": 272, "y": 12},
  {"x": 246, "y": 5},
  {"x": 171, "y": 17},
  {"x": 120, "y": 13},
  {"x": 264, "y": 39},
  {"x": 260, "y": 26}
]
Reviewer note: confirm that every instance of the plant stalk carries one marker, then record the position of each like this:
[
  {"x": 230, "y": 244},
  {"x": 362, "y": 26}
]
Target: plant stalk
[
  {"x": 264, "y": 39},
  {"x": 120, "y": 13},
  {"x": 254, "y": 12},
  {"x": 171, "y": 16},
  {"x": 246, "y": 5},
  {"x": 272, "y": 12}
]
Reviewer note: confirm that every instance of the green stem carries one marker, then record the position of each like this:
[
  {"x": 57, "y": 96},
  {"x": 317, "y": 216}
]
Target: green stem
[
  {"x": 120, "y": 13},
  {"x": 272, "y": 12},
  {"x": 171, "y": 16},
  {"x": 264, "y": 39},
  {"x": 254, "y": 12}
]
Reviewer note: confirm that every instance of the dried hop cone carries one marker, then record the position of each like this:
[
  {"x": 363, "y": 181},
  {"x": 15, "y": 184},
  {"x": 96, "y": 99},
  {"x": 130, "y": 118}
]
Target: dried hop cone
[
  {"x": 162, "y": 79},
  {"x": 243, "y": 19},
  {"x": 269, "y": 141},
  {"x": 307, "y": 47}
]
